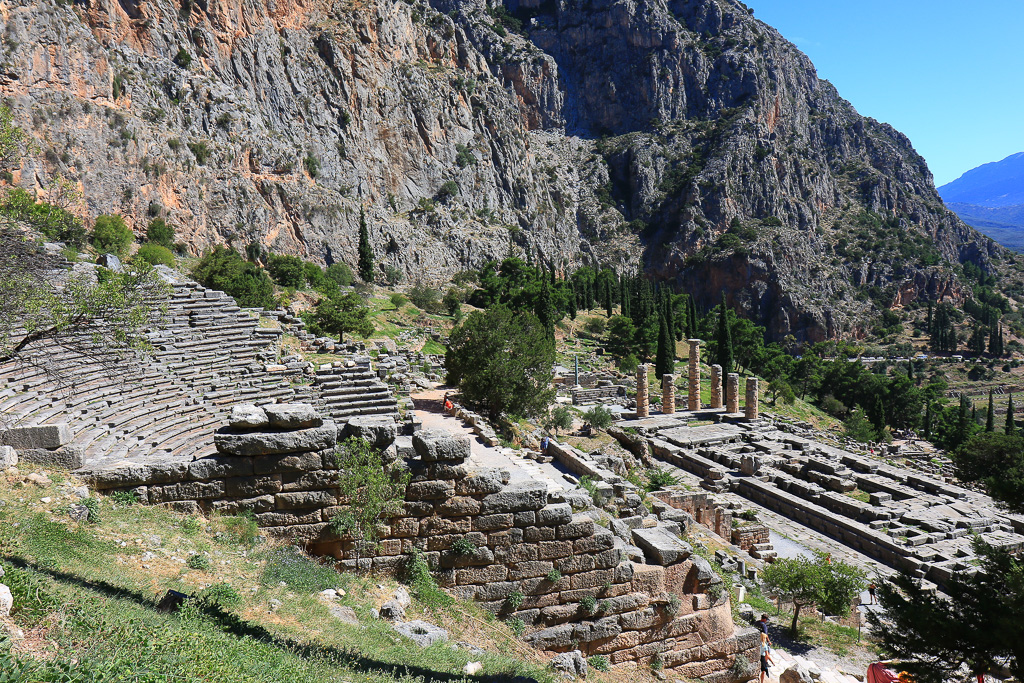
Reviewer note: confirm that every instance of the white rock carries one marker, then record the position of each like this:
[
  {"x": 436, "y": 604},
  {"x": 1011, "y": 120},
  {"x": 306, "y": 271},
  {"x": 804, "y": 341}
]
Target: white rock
[
  {"x": 402, "y": 597},
  {"x": 6, "y": 600},
  {"x": 472, "y": 667}
]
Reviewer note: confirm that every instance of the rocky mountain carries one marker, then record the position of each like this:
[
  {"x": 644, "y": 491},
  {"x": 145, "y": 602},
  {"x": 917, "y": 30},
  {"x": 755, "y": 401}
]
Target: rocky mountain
[
  {"x": 991, "y": 198},
  {"x": 685, "y": 135}
]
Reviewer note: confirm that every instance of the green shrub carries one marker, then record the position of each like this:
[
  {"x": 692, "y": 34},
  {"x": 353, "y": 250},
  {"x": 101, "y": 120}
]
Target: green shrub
[
  {"x": 219, "y": 595},
  {"x": 673, "y": 605},
  {"x": 398, "y": 300},
  {"x": 156, "y": 255},
  {"x": 598, "y": 417},
  {"x": 425, "y": 298},
  {"x": 517, "y": 625},
  {"x": 183, "y": 58},
  {"x": 191, "y": 525},
  {"x": 463, "y": 547},
  {"x": 599, "y": 663},
  {"x": 314, "y": 275},
  {"x": 124, "y": 498},
  {"x": 464, "y": 156},
  {"x": 111, "y": 235},
  {"x": 198, "y": 561},
  {"x": 159, "y": 232},
  {"x": 514, "y": 600},
  {"x": 201, "y": 151},
  {"x": 595, "y": 325},
  {"x": 658, "y": 478},
  {"x": 287, "y": 271},
  {"x": 588, "y": 603},
  {"x": 312, "y": 165},
  {"x": 226, "y": 270},
  {"x": 392, "y": 275},
  {"x": 417, "y": 576},
  {"x": 373, "y": 491},
  {"x": 93, "y": 506},
  {"x": 340, "y": 273},
  {"x": 448, "y": 190},
  {"x": 452, "y": 301},
  {"x": 554, "y": 576},
  {"x": 52, "y": 221},
  {"x": 629, "y": 364}
]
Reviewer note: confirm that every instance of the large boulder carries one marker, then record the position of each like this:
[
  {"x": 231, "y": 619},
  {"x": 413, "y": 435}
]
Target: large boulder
[
  {"x": 8, "y": 457},
  {"x": 796, "y": 673},
  {"x": 439, "y": 444},
  {"x": 661, "y": 546},
  {"x": 293, "y": 415},
  {"x": 380, "y": 430},
  {"x": 272, "y": 443},
  {"x": 44, "y": 436},
  {"x": 248, "y": 416},
  {"x": 570, "y": 663},
  {"x": 421, "y": 632},
  {"x": 6, "y": 600}
]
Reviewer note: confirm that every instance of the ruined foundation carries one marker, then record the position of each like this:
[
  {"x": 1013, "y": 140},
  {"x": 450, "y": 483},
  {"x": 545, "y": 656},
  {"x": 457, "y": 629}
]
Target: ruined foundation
[
  {"x": 642, "y": 399},
  {"x": 693, "y": 387},
  {"x": 716, "y": 387},
  {"x": 732, "y": 393},
  {"x": 668, "y": 394},
  {"x": 751, "y": 408}
]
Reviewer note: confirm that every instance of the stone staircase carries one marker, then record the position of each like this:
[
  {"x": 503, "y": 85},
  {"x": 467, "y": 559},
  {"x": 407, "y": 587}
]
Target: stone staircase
[{"x": 350, "y": 389}]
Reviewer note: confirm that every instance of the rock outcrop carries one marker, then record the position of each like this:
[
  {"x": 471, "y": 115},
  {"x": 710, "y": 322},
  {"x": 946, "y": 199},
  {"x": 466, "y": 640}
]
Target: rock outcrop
[{"x": 686, "y": 133}]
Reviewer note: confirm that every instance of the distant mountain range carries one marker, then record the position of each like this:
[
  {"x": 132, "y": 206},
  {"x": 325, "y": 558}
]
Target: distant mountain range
[{"x": 991, "y": 198}]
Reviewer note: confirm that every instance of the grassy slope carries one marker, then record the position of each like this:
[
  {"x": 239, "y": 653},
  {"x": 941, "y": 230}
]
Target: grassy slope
[{"x": 85, "y": 598}]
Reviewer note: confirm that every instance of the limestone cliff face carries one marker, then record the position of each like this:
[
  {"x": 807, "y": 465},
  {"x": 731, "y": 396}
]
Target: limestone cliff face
[{"x": 686, "y": 133}]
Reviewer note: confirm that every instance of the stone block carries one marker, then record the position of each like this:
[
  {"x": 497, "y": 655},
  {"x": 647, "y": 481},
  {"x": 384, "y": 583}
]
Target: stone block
[
  {"x": 305, "y": 499},
  {"x": 446, "y": 471},
  {"x": 380, "y": 431},
  {"x": 530, "y": 570},
  {"x": 8, "y": 457},
  {"x": 430, "y": 490},
  {"x": 532, "y": 534},
  {"x": 579, "y": 527},
  {"x": 459, "y": 506},
  {"x": 493, "y": 522},
  {"x": 265, "y": 519},
  {"x": 554, "y": 514},
  {"x": 640, "y": 619},
  {"x": 309, "y": 481},
  {"x": 219, "y": 467},
  {"x": 602, "y": 629},
  {"x": 553, "y": 550},
  {"x": 233, "y": 507},
  {"x": 481, "y": 575},
  {"x": 248, "y": 487},
  {"x": 45, "y": 436},
  {"x": 247, "y": 416},
  {"x": 482, "y": 483},
  {"x": 530, "y": 495},
  {"x": 660, "y": 546},
  {"x": 437, "y": 444},
  {"x": 293, "y": 415},
  {"x": 601, "y": 539},
  {"x": 523, "y": 519},
  {"x": 591, "y": 579},
  {"x": 552, "y": 638},
  {"x": 422, "y": 633},
  {"x": 436, "y": 526},
  {"x": 66, "y": 457},
  {"x": 284, "y": 463},
  {"x": 271, "y": 443}
]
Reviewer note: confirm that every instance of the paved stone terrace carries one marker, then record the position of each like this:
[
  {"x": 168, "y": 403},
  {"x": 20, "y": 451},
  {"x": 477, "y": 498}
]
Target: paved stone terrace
[{"x": 909, "y": 520}]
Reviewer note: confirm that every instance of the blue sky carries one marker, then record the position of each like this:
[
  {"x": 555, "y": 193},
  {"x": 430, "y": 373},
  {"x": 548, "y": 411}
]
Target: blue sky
[{"x": 949, "y": 74}]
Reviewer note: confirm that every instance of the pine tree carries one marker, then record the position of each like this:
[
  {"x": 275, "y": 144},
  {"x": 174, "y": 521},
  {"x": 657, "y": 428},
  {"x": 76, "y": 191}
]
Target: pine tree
[
  {"x": 724, "y": 340},
  {"x": 665, "y": 363},
  {"x": 365, "y": 252},
  {"x": 1011, "y": 426},
  {"x": 990, "y": 418}
]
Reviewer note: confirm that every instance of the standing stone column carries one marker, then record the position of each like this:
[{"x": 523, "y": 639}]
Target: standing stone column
[
  {"x": 751, "y": 407},
  {"x": 642, "y": 405},
  {"x": 693, "y": 388},
  {"x": 732, "y": 393},
  {"x": 668, "y": 394},
  {"x": 716, "y": 387}
]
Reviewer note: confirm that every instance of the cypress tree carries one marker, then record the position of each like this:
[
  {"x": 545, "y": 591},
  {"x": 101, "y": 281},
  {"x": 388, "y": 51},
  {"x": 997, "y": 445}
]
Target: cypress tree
[
  {"x": 928, "y": 320},
  {"x": 1011, "y": 426},
  {"x": 990, "y": 419},
  {"x": 928, "y": 420},
  {"x": 545, "y": 307},
  {"x": 724, "y": 341},
  {"x": 365, "y": 252},
  {"x": 691, "y": 323},
  {"x": 572, "y": 301},
  {"x": 608, "y": 296},
  {"x": 665, "y": 363}
]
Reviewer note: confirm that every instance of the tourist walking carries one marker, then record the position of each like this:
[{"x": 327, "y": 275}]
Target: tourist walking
[
  {"x": 766, "y": 656},
  {"x": 762, "y": 625},
  {"x": 871, "y": 592}
]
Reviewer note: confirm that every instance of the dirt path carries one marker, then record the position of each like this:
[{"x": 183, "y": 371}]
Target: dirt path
[{"x": 428, "y": 406}]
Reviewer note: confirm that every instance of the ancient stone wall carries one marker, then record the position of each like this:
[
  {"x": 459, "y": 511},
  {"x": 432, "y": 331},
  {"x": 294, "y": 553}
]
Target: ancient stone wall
[{"x": 749, "y": 535}]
